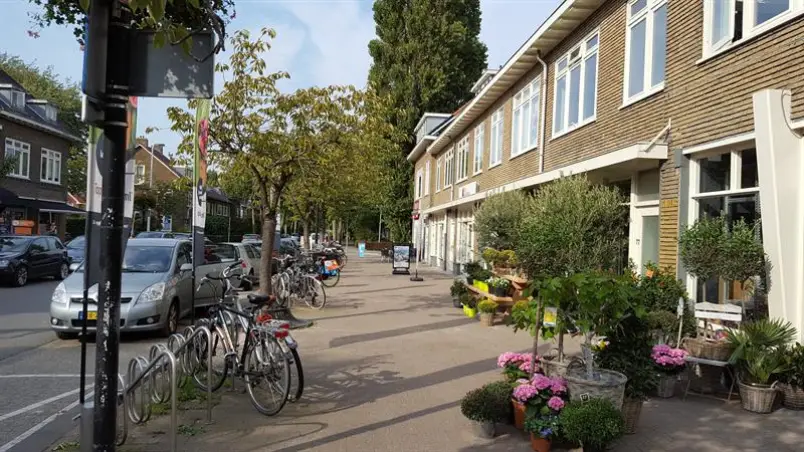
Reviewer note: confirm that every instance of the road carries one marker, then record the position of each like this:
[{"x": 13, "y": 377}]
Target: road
[{"x": 39, "y": 373}]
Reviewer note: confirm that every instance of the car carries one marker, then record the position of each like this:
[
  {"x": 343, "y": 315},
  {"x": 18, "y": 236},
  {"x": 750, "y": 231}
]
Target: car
[
  {"x": 250, "y": 238},
  {"x": 155, "y": 235},
  {"x": 26, "y": 257},
  {"x": 183, "y": 235},
  {"x": 249, "y": 255},
  {"x": 75, "y": 249},
  {"x": 157, "y": 289}
]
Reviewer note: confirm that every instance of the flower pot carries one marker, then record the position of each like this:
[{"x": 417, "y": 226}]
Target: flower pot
[
  {"x": 469, "y": 312},
  {"x": 757, "y": 398},
  {"x": 607, "y": 384},
  {"x": 470, "y": 281},
  {"x": 487, "y": 318},
  {"x": 456, "y": 302},
  {"x": 519, "y": 414},
  {"x": 793, "y": 397},
  {"x": 539, "y": 444},
  {"x": 667, "y": 386},
  {"x": 554, "y": 368},
  {"x": 483, "y": 429},
  {"x": 632, "y": 408},
  {"x": 482, "y": 285}
]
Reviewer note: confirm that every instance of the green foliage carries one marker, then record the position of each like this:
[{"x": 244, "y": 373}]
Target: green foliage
[
  {"x": 629, "y": 352},
  {"x": 426, "y": 57},
  {"x": 595, "y": 424},
  {"x": 6, "y": 165},
  {"x": 524, "y": 315},
  {"x": 487, "y": 306},
  {"x": 701, "y": 247},
  {"x": 742, "y": 254},
  {"x": 76, "y": 225},
  {"x": 572, "y": 226},
  {"x": 472, "y": 268},
  {"x": 490, "y": 403},
  {"x": 662, "y": 290},
  {"x": 457, "y": 289},
  {"x": 543, "y": 426},
  {"x": 500, "y": 283},
  {"x": 761, "y": 366},
  {"x": 756, "y": 346},
  {"x": 794, "y": 364},
  {"x": 498, "y": 221}
]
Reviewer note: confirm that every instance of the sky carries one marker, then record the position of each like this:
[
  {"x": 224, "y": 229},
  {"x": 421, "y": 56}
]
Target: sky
[{"x": 319, "y": 42}]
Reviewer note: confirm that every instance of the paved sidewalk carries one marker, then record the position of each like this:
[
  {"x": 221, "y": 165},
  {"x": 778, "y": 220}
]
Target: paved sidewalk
[{"x": 386, "y": 364}]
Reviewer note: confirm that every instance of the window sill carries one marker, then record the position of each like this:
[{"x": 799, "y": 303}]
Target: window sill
[
  {"x": 642, "y": 96},
  {"x": 573, "y": 128},
  {"x": 495, "y": 165},
  {"x": 461, "y": 180},
  {"x": 477, "y": 172},
  {"x": 49, "y": 182},
  {"x": 532, "y": 148},
  {"x": 18, "y": 177},
  {"x": 762, "y": 29}
]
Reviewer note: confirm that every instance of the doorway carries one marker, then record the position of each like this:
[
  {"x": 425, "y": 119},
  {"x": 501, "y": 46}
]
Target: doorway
[{"x": 644, "y": 237}]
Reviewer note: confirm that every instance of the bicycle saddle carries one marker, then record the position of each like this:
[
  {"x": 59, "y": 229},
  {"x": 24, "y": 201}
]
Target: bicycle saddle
[{"x": 258, "y": 299}]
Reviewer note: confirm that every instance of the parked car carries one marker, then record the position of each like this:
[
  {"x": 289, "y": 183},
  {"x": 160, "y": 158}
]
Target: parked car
[
  {"x": 249, "y": 256},
  {"x": 157, "y": 289},
  {"x": 76, "y": 249},
  {"x": 250, "y": 238},
  {"x": 155, "y": 235},
  {"x": 25, "y": 257},
  {"x": 183, "y": 235}
]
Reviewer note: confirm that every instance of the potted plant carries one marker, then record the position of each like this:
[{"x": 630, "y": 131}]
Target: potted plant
[
  {"x": 470, "y": 307},
  {"x": 669, "y": 363},
  {"x": 595, "y": 424},
  {"x": 486, "y": 406},
  {"x": 501, "y": 287},
  {"x": 542, "y": 430},
  {"x": 482, "y": 279},
  {"x": 515, "y": 366},
  {"x": 759, "y": 356},
  {"x": 471, "y": 270},
  {"x": 743, "y": 257},
  {"x": 487, "y": 309},
  {"x": 498, "y": 220},
  {"x": 457, "y": 291},
  {"x": 792, "y": 379}
]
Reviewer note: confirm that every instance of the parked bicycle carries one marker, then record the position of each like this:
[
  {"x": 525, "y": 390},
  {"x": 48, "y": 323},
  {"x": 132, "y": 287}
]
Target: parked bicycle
[{"x": 298, "y": 280}]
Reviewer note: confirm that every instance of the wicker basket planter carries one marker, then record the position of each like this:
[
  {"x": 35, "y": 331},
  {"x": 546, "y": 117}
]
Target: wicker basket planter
[
  {"x": 793, "y": 397},
  {"x": 607, "y": 385},
  {"x": 667, "y": 386},
  {"x": 487, "y": 318},
  {"x": 632, "y": 409},
  {"x": 701, "y": 347},
  {"x": 757, "y": 398},
  {"x": 554, "y": 368}
]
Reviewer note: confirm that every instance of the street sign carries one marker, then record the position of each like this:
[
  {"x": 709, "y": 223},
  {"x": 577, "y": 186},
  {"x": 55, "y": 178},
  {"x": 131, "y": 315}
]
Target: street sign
[{"x": 167, "y": 223}]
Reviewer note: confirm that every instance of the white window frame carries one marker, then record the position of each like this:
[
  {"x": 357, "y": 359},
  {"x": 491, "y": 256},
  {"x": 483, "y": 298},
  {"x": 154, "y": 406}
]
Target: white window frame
[
  {"x": 139, "y": 174},
  {"x": 497, "y": 131},
  {"x": 529, "y": 95},
  {"x": 52, "y": 161},
  {"x": 439, "y": 164},
  {"x": 449, "y": 168},
  {"x": 22, "y": 151},
  {"x": 648, "y": 14},
  {"x": 579, "y": 61},
  {"x": 695, "y": 195},
  {"x": 462, "y": 160},
  {"x": 427, "y": 178},
  {"x": 479, "y": 149},
  {"x": 419, "y": 188},
  {"x": 750, "y": 31},
  {"x": 16, "y": 94}
]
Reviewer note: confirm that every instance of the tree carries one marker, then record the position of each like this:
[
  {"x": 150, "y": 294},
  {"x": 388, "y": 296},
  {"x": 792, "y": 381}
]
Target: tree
[
  {"x": 64, "y": 95},
  {"x": 427, "y": 55}
]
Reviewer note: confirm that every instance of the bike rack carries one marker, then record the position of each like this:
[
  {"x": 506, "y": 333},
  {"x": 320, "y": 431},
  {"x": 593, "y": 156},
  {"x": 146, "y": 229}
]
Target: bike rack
[{"x": 150, "y": 383}]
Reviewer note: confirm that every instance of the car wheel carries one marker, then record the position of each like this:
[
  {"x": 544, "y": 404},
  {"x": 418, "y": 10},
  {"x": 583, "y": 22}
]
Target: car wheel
[
  {"x": 21, "y": 276},
  {"x": 65, "y": 336},
  {"x": 64, "y": 272},
  {"x": 172, "y": 320}
]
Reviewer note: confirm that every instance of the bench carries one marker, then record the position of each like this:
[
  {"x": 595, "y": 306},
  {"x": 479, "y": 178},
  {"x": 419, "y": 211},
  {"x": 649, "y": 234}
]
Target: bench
[{"x": 704, "y": 313}]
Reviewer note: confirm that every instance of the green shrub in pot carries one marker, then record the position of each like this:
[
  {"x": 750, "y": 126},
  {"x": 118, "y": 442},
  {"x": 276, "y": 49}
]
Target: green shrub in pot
[
  {"x": 595, "y": 424},
  {"x": 488, "y": 405},
  {"x": 487, "y": 307}
]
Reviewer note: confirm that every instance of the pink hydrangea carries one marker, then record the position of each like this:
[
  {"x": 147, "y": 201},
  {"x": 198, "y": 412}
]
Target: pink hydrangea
[
  {"x": 558, "y": 385},
  {"x": 507, "y": 358},
  {"x": 668, "y": 357},
  {"x": 524, "y": 392},
  {"x": 541, "y": 382},
  {"x": 555, "y": 403}
]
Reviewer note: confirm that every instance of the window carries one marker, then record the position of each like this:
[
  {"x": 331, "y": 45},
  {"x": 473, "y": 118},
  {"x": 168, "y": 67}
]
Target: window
[
  {"x": 728, "y": 22},
  {"x": 723, "y": 184},
  {"x": 438, "y": 176},
  {"x": 480, "y": 143},
  {"x": 495, "y": 151},
  {"x": 18, "y": 99},
  {"x": 576, "y": 87},
  {"x": 184, "y": 255},
  {"x": 21, "y": 152},
  {"x": 419, "y": 184},
  {"x": 462, "y": 160},
  {"x": 449, "y": 168},
  {"x": 427, "y": 178},
  {"x": 51, "y": 167},
  {"x": 139, "y": 176},
  {"x": 646, "y": 48},
  {"x": 526, "y": 119}
]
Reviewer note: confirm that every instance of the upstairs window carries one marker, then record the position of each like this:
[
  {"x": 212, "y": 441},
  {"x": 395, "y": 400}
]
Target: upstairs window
[
  {"x": 51, "y": 167},
  {"x": 438, "y": 176},
  {"x": 495, "y": 151},
  {"x": 18, "y": 99},
  {"x": 462, "y": 160},
  {"x": 21, "y": 153},
  {"x": 427, "y": 178},
  {"x": 525, "y": 122},
  {"x": 449, "y": 168},
  {"x": 419, "y": 184},
  {"x": 139, "y": 176},
  {"x": 728, "y": 22},
  {"x": 480, "y": 143},
  {"x": 576, "y": 87},
  {"x": 646, "y": 48}
]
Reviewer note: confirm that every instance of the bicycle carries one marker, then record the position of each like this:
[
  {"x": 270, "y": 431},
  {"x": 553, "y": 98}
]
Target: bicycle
[
  {"x": 264, "y": 359},
  {"x": 298, "y": 280}
]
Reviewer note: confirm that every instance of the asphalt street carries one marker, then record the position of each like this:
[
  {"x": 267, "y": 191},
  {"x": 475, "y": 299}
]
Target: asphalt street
[{"x": 39, "y": 373}]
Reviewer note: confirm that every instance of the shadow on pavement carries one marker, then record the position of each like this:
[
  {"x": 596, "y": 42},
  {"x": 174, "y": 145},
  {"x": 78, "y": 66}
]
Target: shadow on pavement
[{"x": 358, "y": 338}]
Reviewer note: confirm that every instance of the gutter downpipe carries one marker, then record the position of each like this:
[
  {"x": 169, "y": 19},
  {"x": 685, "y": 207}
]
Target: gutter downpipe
[{"x": 542, "y": 107}]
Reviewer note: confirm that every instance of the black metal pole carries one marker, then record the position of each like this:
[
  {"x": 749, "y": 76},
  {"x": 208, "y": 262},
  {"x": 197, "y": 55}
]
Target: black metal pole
[{"x": 114, "y": 176}]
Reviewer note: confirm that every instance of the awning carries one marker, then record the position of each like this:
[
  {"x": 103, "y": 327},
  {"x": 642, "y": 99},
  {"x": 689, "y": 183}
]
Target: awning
[
  {"x": 8, "y": 197},
  {"x": 54, "y": 207}
]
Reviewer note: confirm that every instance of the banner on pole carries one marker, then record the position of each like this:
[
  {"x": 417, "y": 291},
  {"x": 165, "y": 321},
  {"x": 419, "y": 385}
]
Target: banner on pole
[{"x": 200, "y": 139}]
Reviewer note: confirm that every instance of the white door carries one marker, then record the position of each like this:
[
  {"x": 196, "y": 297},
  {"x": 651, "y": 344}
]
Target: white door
[{"x": 644, "y": 237}]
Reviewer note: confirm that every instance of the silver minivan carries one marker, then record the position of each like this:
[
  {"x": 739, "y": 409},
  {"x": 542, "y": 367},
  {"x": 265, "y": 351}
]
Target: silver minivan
[{"x": 157, "y": 289}]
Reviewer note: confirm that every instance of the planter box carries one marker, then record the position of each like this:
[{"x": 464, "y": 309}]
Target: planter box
[{"x": 482, "y": 285}]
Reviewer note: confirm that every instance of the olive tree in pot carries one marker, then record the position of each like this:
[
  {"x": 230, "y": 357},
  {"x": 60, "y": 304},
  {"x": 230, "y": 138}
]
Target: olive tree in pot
[
  {"x": 498, "y": 220},
  {"x": 743, "y": 258},
  {"x": 571, "y": 226}
]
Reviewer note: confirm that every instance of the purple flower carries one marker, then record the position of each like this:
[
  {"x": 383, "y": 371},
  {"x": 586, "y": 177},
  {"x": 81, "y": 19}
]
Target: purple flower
[
  {"x": 524, "y": 392},
  {"x": 541, "y": 382},
  {"x": 558, "y": 385},
  {"x": 507, "y": 358},
  {"x": 555, "y": 403},
  {"x": 545, "y": 433}
]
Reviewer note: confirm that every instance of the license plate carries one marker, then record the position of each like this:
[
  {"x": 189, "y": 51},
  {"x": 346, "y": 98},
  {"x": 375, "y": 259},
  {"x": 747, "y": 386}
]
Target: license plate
[{"x": 91, "y": 315}]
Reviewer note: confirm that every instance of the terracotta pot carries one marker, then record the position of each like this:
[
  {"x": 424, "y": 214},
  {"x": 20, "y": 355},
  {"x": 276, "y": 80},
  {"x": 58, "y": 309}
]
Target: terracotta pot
[
  {"x": 519, "y": 414},
  {"x": 539, "y": 444}
]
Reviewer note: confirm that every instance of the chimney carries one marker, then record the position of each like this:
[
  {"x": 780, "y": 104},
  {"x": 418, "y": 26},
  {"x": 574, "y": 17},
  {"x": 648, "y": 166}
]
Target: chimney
[
  {"x": 141, "y": 141},
  {"x": 159, "y": 149}
]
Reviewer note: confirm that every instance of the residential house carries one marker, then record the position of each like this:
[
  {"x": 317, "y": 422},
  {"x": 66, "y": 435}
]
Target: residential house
[
  {"x": 152, "y": 167},
  {"x": 653, "y": 96},
  {"x": 33, "y": 196}
]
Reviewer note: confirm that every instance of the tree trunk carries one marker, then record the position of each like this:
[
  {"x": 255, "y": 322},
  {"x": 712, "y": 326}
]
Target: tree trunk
[
  {"x": 267, "y": 251},
  {"x": 306, "y": 234}
]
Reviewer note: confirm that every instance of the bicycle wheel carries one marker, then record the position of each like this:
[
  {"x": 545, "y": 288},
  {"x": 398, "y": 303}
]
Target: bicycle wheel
[
  {"x": 342, "y": 259},
  {"x": 220, "y": 365},
  {"x": 296, "y": 378},
  {"x": 332, "y": 280},
  {"x": 267, "y": 376},
  {"x": 313, "y": 292}
]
